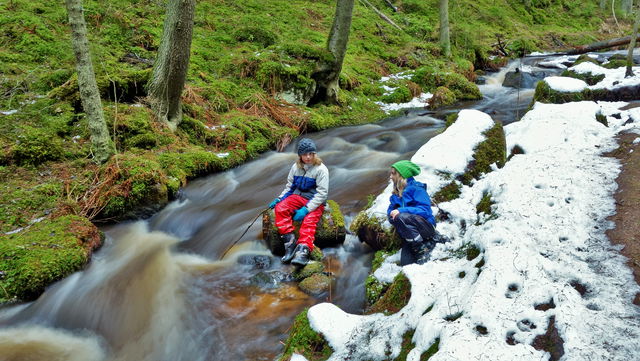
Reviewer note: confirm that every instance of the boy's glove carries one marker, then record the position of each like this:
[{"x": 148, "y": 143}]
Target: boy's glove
[
  {"x": 272, "y": 205},
  {"x": 300, "y": 214}
]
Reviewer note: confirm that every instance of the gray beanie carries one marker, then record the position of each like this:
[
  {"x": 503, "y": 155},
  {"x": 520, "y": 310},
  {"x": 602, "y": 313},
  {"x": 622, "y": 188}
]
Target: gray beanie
[{"x": 305, "y": 146}]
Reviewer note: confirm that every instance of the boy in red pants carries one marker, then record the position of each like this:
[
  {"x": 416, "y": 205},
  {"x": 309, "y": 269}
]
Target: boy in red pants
[{"x": 302, "y": 199}]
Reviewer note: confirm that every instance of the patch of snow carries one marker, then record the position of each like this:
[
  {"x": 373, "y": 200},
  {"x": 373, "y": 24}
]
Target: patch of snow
[
  {"x": 417, "y": 102},
  {"x": 222, "y": 155},
  {"x": 566, "y": 84},
  {"x": 8, "y": 112}
]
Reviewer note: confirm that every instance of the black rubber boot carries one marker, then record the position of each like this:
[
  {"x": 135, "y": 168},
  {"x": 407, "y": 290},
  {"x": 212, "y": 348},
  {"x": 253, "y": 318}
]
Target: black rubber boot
[
  {"x": 289, "y": 240},
  {"x": 301, "y": 257},
  {"x": 421, "y": 251}
]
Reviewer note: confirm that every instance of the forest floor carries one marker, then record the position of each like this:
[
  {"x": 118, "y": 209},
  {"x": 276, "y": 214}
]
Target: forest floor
[{"x": 627, "y": 217}]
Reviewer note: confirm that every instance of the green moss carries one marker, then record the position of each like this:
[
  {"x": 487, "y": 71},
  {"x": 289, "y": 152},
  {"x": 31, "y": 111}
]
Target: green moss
[
  {"x": 399, "y": 95},
  {"x": 139, "y": 182},
  {"x": 451, "y": 118},
  {"x": 490, "y": 151},
  {"x": 601, "y": 118},
  {"x": 35, "y": 146},
  {"x": 431, "y": 78},
  {"x": 447, "y": 193},
  {"x": 395, "y": 298},
  {"x": 441, "y": 98},
  {"x": 46, "y": 252},
  {"x": 256, "y": 34},
  {"x": 585, "y": 58},
  {"x": 588, "y": 78},
  {"x": 484, "y": 206},
  {"x": 615, "y": 64},
  {"x": 370, "y": 230},
  {"x": 545, "y": 94},
  {"x": 305, "y": 341},
  {"x": 373, "y": 288},
  {"x": 308, "y": 270},
  {"x": 431, "y": 350}
]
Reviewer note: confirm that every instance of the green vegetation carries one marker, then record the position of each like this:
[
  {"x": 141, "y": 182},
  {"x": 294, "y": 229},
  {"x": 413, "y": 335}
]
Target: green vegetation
[
  {"x": 373, "y": 288},
  {"x": 43, "y": 253},
  {"x": 233, "y": 102},
  {"x": 305, "y": 341},
  {"x": 491, "y": 150},
  {"x": 395, "y": 298}
]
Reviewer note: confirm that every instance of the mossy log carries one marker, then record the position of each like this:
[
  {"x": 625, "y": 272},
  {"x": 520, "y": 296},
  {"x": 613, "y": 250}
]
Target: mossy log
[{"x": 330, "y": 232}]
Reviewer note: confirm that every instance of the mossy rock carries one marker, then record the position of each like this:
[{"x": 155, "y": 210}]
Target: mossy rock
[
  {"x": 305, "y": 341},
  {"x": 308, "y": 270},
  {"x": 615, "y": 64},
  {"x": 442, "y": 97},
  {"x": 35, "y": 146},
  {"x": 46, "y": 252},
  {"x": 371, "y": 231},
  {"x": 584, "y": 58},
  {"x": 330, "y": 232},
  {"x": 395, "y": 298},
  {"x": 316, "y": 285}
]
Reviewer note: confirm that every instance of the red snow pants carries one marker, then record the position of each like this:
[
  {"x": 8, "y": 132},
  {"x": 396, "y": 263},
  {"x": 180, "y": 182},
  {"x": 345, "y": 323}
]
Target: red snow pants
[{"x": 285, "y": 210}]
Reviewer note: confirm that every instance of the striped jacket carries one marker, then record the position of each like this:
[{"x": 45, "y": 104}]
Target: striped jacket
[{"x": 311, "y": 182}]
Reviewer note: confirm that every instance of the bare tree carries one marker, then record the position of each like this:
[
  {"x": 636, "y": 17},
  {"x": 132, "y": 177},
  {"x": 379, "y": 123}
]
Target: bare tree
[
  {"x": 632, "y": 44},
  {"x": 327, "y": 73},
  {"x": 171, "y": 65},
  {"x": 101, "y": 144},
  {"x": 444, "y": 27}
]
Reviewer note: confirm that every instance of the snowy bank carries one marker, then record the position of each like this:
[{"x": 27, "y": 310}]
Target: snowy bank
[{"x": 544, "y": 259}]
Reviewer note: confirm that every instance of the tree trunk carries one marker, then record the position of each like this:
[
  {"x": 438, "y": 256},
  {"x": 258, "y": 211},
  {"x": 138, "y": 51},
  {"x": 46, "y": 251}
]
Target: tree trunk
[
  {"x": 597, "y": 46},
  {"x": 632, "y": 44},
  {"x": 603, "y": 4},
  {"x": 328, "y": 73},
  {"x": 101, "y": 144},
  {"x": 444, "y": 28},
  {"x": 625, "y": 6},
  {"x": 170, "y": 69}
]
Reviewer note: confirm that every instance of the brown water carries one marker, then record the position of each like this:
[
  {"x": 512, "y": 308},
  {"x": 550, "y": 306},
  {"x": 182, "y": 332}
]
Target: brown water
[{"x": 156, "y": 290}]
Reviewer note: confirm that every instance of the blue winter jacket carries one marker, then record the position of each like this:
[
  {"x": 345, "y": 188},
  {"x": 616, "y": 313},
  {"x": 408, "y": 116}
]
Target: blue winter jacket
[{"x": 414, "y": 200}]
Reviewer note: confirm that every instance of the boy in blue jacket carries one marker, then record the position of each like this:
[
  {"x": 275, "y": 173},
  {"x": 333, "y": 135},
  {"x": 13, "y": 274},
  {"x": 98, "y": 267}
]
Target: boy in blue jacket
[{"x": 410, "y": 213}]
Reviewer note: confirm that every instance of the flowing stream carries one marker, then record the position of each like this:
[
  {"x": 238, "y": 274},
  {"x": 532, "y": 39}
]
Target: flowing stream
[{"x": 156, "y": 290}]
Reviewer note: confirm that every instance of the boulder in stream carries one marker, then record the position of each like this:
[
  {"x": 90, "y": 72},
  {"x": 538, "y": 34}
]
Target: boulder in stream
[
  {"x": 330, "y": 232},
  {"x": 316, "y": 284},
  {"x": 523, "y": 79}
]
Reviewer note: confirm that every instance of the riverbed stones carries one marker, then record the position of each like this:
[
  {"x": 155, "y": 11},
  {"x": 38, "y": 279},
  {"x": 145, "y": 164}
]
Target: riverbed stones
[
  {"x": 523, "y": 79},
  {"x": 316, "y": 284},
  {"x": 330, "y": 232}
]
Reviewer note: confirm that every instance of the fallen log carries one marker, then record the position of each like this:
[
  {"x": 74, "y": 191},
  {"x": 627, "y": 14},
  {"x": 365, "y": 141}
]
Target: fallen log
[
  {"x": 598, "y": 45},
  {"x": 395, "y": 9},
  {"x": 380, "y": 14}
]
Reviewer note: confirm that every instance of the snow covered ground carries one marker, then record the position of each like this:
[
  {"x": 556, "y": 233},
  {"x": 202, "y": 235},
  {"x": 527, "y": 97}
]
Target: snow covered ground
[{"x": 545, "y": 246}]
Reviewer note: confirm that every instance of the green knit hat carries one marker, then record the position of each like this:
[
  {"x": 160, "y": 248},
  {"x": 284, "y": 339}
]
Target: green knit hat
[{"x": 406, "y": 168}]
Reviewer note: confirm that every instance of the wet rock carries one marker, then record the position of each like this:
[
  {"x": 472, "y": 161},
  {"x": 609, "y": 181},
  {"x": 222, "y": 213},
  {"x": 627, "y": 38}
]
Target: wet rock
[
  {"x": 270, "y": 279},
  {"x": 316, "y": 284},
  {"x": 257, "y": 261},
  {"x": 523, "y": 79}
]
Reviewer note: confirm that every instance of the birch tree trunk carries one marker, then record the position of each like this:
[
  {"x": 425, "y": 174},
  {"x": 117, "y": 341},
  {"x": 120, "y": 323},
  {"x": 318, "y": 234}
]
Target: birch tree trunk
[
  {"x": 101, "y": 145},
  {"x": 444, "y": 28},
  {"x": 632, "y": 44},
  {"x": 327, "y": 73},
  {"x": 170, "y": 69}
]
